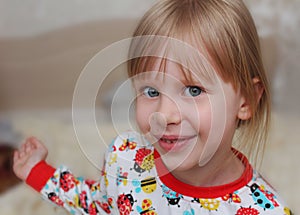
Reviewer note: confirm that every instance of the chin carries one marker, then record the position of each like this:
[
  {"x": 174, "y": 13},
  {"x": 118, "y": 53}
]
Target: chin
[{"x": 179, "y": 165}]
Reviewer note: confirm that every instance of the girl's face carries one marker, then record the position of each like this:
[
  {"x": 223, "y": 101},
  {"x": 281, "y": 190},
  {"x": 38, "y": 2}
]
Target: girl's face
[{"x": 188, "y": 121}]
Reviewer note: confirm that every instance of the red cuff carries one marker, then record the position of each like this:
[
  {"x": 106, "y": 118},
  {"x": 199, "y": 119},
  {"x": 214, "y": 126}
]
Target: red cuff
[{"x": 39, "y": 175}]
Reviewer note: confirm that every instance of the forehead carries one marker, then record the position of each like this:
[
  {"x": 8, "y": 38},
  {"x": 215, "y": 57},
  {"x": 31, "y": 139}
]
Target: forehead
[
  {"x": 155, "y": 68},
  {"x": 155, "y": 52}
]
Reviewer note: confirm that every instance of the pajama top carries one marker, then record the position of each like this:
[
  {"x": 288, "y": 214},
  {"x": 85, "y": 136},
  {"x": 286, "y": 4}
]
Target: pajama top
[{"x": 134, "y": 180}]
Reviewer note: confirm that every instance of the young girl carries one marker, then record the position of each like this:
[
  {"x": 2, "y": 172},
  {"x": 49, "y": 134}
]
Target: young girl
[{"x": 199, "y": 81}]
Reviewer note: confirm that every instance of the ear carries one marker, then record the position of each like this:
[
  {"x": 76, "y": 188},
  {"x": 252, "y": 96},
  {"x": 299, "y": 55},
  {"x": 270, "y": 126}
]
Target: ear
[{"x": 245, "y": 111}]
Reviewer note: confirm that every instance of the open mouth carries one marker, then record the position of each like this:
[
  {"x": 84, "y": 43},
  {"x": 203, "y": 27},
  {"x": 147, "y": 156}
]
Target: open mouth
[
  {"x": 174, "y": 143},
  {"x": 170, "y": 141}
]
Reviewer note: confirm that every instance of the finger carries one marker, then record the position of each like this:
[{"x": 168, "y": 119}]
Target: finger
[
  {"x": 29, "y": 140},
  {"x": 34, "y": 141},
  {"x": 22, "y": 149},
  {"x": 37, "y": 143},
  {"x": 21, "y": 154},
  {"x": 28, "y": 147},
  {"x": 16, "y": 156},
  {"x": 25, "y": 145}
]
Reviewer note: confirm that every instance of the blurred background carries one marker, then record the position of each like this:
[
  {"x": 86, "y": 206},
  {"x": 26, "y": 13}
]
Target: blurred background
[{"x": 44, "y": 45}]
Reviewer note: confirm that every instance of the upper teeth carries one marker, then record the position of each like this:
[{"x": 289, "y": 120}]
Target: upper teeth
[{"x": 169, "y": 141}]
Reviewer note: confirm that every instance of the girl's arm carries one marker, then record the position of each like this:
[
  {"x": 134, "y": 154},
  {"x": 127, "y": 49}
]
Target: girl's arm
[{"x": 59, "y": 186}]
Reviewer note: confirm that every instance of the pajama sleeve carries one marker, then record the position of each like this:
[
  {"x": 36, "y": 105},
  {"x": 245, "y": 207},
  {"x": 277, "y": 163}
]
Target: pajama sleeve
[{"x": 75, "y": 194}]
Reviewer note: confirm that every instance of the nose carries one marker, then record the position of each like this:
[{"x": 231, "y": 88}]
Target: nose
[{"x": 169, "y": 109}]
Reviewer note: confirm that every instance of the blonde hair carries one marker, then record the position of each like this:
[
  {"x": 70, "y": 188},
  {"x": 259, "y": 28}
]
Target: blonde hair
[{"x": 225, "y": 33}]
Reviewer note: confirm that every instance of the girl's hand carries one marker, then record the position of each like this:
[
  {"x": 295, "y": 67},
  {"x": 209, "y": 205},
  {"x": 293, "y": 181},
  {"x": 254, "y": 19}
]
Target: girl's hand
[{"x": 27, "y": 156}]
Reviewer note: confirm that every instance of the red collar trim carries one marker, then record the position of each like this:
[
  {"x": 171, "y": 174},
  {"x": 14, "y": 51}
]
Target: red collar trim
[{"x": 203, "y": 192}]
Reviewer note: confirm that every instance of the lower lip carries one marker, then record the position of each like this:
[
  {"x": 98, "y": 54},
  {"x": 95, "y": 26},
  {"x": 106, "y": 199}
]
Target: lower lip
[{"x": 175, "y": 146}]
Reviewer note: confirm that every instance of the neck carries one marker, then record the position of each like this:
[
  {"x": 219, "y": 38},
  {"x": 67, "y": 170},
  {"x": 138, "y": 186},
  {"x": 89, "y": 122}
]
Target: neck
[{"x": 223, "y": 168}]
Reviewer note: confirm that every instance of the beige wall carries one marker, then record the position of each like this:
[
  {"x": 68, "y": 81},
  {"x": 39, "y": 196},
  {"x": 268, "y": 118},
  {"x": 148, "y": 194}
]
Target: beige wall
[
  {"x": 44, "y": 46},
  {"x": 41, "y": 71}
]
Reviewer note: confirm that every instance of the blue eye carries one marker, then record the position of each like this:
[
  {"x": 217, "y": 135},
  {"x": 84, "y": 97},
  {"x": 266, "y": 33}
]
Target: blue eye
[
  {"x": 150, "y": 92},
  {"x": 192, "y": 91}
]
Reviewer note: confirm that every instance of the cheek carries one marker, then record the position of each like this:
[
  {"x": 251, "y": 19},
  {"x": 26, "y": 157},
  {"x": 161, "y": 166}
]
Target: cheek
[
  {"x": 218, "y": 123},
  {"x": 210, "y": 117},
  {"x": 199, "y": 116},
  {"x": 142, "y": 114},
  {"x": 204, "y": 118}
]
